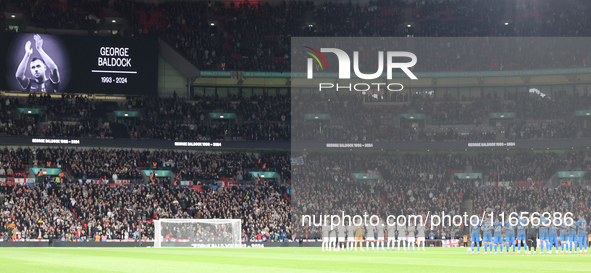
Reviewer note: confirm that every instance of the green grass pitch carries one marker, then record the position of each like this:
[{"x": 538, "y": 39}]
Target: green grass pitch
[{"x": 294, "y": 259}]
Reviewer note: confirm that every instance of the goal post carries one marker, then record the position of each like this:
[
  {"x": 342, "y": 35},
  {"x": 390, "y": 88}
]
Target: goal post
[{"x": 197, "y": 233}]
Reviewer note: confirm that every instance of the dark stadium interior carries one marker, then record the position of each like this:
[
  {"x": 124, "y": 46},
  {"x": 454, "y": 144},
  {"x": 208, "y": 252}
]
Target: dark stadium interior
[{"x": 104, "y": 193}]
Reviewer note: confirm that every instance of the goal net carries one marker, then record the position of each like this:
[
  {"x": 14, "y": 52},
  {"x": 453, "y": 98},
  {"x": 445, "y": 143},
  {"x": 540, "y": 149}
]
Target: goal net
[{"x": 197, "y": 233}]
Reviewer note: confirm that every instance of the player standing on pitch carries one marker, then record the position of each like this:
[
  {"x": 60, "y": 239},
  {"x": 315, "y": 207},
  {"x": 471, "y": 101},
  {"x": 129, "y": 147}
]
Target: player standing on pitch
[
  {"x": 40, "y": 82},
  {"x": 487, "y": 229},
  {"x": 564, "y": 237},
  {"x": 341, "y": 233},
  {"x": 582, "y": 233},
  {"x": 532, "y": 235},
  {"x": 370, "y": 237},
  {"x": 332, "y": 237},
  {"x": 544, "y": 229},
  {"x": 475, "y": 234},
  {"x": 421, "y": 235},
  {"x": 325, "y": 237},
  {"x": 572, "y": 237},
  {"x": 391, "y": 229},
  {"x": 552, "y": 238},
  {"x": 402, "y": 236},
  {"x": 498, "y": 235},
  {"x": 359, "y": 236},
  {"x": 521, "y": 236},
  {"x": 350, "y": 236},
  {"x": 510, "y": 235},
  {"x": 410, "y": 236},
  {"x": 380, "y": 230}
]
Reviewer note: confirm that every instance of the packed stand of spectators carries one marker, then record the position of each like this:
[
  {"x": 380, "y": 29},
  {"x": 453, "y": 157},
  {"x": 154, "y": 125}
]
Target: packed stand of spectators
[
  {"x": 355, "y": 118},
  {"x": 12, "y": 123},
  {"x": 352, "y": 120},
  {"x": 385, "y": 97},
  {"x": 80, "y": 212},
  {"x": 71, "y": 116},
  {"x": 431, "y": 134},
  {"x": 246, "y": 36},
  {"x": 256, "y": 36},
  {"x": 545, "y": 117},
  {"x": 534, "y": 107},
  {"x": 207, "y": 167},
  {"x": 98, "y": 164},
  {"x": 422, "y": 168},
  {"x": 262, "y": 118},
  {"x": 66, "y": 108},
  {"x": 13, "y": 160},
  {"x": 66, "y": 117},
  {"x": 177, "y": 130},
  {"x": 414, "y": 184},
  {"x": 204, "y": 168},
  {"x": 85, "y": 209},
  {"x": 35, "y": 213},
  {"x": 88, "y": 128},
  {"x": 175, "y": 118},
  {"x": 579, "y": 160},
  {"x": 455, "y": 113},
  {"x": 324, "y": 186},
  {"x": 534, "y": 199},
  {"x": 265, "y": 118},
  {"x": 551, "y": 129},
  {"x": 268, "y": 118},
  {"x": 586, "y": 131},
  {"x": 79, "y": 15},
  {"x": 526, "y": 166}
]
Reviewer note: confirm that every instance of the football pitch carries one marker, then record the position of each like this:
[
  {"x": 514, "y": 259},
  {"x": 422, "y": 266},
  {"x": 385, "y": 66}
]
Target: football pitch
[{"x": 294, "y": 259}]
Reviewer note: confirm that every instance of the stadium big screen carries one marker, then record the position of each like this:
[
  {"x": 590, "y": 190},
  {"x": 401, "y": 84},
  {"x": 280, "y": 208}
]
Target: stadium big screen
[{"x": 78, "y": 64}]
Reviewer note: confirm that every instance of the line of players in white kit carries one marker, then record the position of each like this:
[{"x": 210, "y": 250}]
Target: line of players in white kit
[
  {"x": 569, "y": 236},
  {"x": 348, "y": 237}
]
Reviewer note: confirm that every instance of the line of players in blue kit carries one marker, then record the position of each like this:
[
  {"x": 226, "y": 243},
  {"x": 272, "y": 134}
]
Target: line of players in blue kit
[{"x": 492, "y": 236}]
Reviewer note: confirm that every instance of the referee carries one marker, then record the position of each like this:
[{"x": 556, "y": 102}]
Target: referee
[{"x": 532, "y": 236}]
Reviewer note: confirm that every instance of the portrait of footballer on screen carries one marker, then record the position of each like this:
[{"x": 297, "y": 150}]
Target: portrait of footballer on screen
[{"x": 37, "y": 63}]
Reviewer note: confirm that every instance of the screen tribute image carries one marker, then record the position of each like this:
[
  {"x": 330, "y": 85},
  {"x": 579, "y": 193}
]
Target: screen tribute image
[{"x": 76, "y": 64}]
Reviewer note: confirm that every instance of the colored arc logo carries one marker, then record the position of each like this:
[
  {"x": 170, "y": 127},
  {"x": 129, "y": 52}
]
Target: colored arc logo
[{"x": 316, "y": 58}]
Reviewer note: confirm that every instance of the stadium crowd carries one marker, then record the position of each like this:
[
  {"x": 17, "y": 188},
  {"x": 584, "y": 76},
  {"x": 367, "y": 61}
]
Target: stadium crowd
[
  {"x": 412, "y": 183},
  {"x": 83, "y": 15},
  {"x": 258, "y": 118},
  {"x": 534, "y": 199},
  {"x": 353, "y": 118},
  {"x": 80, "y": 209},
  {"x": 96, "y": 164},
  {"x": 256, "y": 36},
  {"x": 323, "y": 186},
  {"x": 13, "y": 124},
  {"x": 269, "y": 118},
  {"x": 80, "y": 212}
]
